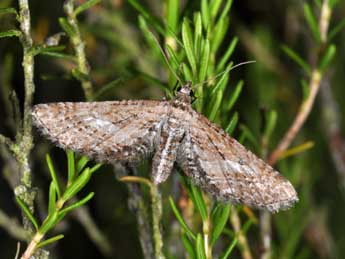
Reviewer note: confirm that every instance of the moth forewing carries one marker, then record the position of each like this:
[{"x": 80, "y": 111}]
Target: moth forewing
[{"x": 128, "y": 131}]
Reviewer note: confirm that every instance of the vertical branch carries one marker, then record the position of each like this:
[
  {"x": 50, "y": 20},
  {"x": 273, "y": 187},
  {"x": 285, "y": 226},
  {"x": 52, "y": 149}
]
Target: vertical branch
[
  {"x": 266, "y": 234},
  {"x": 79, "y": 48},
  {"x": 29, "y": 88},
  {"x": 206, "y": 225},
  {"x": 242, "y": 240},
  {"x": 83, "y": 75},
  {"x": 302, "y": 115},
  {"x": 136, "y": 203},
  {"x": 156, "y": 206},
  {"x": 156, "y": 201},
  {"x": 314, "y": 85},
  {"x": 24, "y": 140}
]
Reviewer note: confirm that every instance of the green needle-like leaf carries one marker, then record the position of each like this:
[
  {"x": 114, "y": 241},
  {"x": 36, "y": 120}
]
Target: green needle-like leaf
[
  {"x": 215, "y": 103},
  {"x": 232, "y": 124},
  {"x": 78, "y": 204},
  {"x": 56, "y": 54},
  {"x": 227, "y": 55},
  {"x": 295, "y": 57},
  {"x": 199, "y": 202},
  {"x": 228, "y": 251},
  {"x": 149, "y": 36},
  {"x": 70, "y": 166},
  {"x": 67, "y": 27},
  {"x": 204, "y": 61},
  {"x": 172, "y": 15},
  {"x": 297, "y": 150},
  {"x": 197, "y": 35},
  {"x": 200, "y": 249},
  {"x": 188, "y": 246},
  {"x": 10, "y": 33},
  {"x": 77, "y": 185},
  {"x": 81, "y": 164},
  {"x": 219, "y": 33},
  {"x": 222, "y": 81},
  {"x": 219, "y": 221},
  {"x": 234, "y": 96},
  {"x": 109, "y": 86},
  {"x": 174, "y": 61},
  {"x": 205, "y": 13},
  {"x": 226, "y": 9},
  {"x": 8, "y": 10},
  {"x": 95, "y": 168},
  {"x": 53, "y": 175},
  {"x": 312, "y": 22},
  {"x": 187, "y": 72},
  {"x": 327, "y": 57},
  {"x": 214, "y": 7},
  {"x": 49, "y": 222},
  {"x": 153, "y": 20},
  {"x": 270, "y": 125},
  {"x": 86, "y": 5},
  {"x": 49, "y": 241},
  {"x": 187, "y": 39},
  {"x": 180, "y": 219},
  {"x": 52, "y": 198},
  {"x": 27, "y": 212}
]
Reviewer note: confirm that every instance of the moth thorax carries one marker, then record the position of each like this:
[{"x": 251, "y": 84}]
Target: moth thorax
[{"x": 185, "y": 93}]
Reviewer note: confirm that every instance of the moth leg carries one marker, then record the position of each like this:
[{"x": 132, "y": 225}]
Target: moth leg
[{"x": 166, "y": 151}]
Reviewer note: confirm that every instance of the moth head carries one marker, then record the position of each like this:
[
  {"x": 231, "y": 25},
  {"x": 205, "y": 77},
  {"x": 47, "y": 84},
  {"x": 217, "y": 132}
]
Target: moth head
[{"x": 185, "y": 93}]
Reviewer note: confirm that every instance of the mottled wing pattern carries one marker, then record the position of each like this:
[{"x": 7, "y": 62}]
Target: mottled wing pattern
[
  {"x": 106, "y": 131},
  {"x": 227, "y": 170}
]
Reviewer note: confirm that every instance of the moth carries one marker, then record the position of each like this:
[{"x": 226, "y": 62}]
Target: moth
[{"x": 175, "y": 134}]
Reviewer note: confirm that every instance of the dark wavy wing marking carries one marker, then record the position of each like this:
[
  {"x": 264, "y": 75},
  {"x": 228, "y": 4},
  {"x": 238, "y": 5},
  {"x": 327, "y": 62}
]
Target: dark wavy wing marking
[
  {"x": 227, "y": 170},
  {"x": 107, "y": 131}
]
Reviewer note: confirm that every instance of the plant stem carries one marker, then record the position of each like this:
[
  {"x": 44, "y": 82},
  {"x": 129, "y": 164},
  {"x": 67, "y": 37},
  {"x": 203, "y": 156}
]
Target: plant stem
[
  {"x": 156, "y": 201},
  {"x": 265, "y": 217},
  {"x": 29, "y": 87},
  {"x": 242, "y": 240},
  {"x": 314, "y": 85},
  {"x": 39, "y": 235},
  {"x": 156, "y": 204},
  {"x": 32, "y": 246},
  {"x": 206, "y": 231},
  {"x": 79, "y": 48},
  {"x": 266, "y": 232},
  {"x": 302, "y": 115},
  {"x": 136, "y": 203},
  {"x": 24, "y": 141}
]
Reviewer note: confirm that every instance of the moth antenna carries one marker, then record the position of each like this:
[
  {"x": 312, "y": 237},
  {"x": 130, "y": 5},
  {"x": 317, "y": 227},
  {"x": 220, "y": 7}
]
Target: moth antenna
[
  {"x": 166, "y": 58},
  {"x": 226, "y": 71}
]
